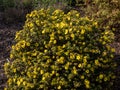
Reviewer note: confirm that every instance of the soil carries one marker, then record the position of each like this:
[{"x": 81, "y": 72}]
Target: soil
[{"x": 7, "y": 35}]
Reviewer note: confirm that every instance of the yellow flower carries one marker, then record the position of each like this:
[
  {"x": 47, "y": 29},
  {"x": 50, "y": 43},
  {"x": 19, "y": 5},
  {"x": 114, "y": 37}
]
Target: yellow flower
[
  {"x": 29, "y": 63},
  {"x": 82, "y": 31},
  {"x": 18, "y": 83},
  {"x": 43, "y": 78},
  {"x": 45, "y": 51},
  {"x": 85, "y": 60},
  {"x": 54, "y": 42},
  {"x": 87, "y": 71},
  {"x": 24, "y": 83},
  {"x": 24, "y": 59},
  {"x": 59, "y": 87},
  {"x": 71, "y": 23},
  {"x": 13, "y": 47},
  {"x": 83, "y": 43},
  {"x": 68, "y": 17},
  {"x": 17, "y": 35},
  {"x": 17, "y": 47},
  {"x": 61, "y": 60},
  {"x": 34, "y": 76},
  {"x": 38, "y": 22},
  {"x": 87, "y": 86},
  {"x": 77, "y": 14},
  {"x": 41, "y": 71},
  {"x": 87, "y": 83},
  {"x": 78, "y": 57},
  {"x": 64, "y": 46},
  {"x": 14, "y": 70},
  {"x": 80, "y": 65},
  {"x": 104, "y": 53},
  {"x": 72, "y": 56},
  {"x": 89, "y": 65},
  {"x": 5, "y": 89},
  {"x": 97, "y": 62},
  {"x": 21, "y": 44},
  {"x": 74, "y": 70},
  {"x": 72, "y": 35},
  {"x": 9, "y": 81},
  {"x": 95, "y": 23},
  {"x": 103, "y": 42},
  {"x": 14, "y": 80},
  {"x": 56, "y": 11},
  {"x": 70, "y": 30},
  {"x": 31, "y": 30},
  {"x": 111, "y": 55},
  {"x": 101, "y": 76},
  {"x": 43, "y": 31},
  {"x": 62, "y": 24},
  {"x": 34, "y": 54},
  {"x": 11, "y": 56},
  {"x": 53, "y": 72},
  {"x": 66, "y": 66},
  {"x": 28, "y": 44},
  {"x": 57, "y": 74},
  {"x": 66, "y": 31},
  {"x": 82, "y": 76},
  {"x": 57, "y": 25},
  {"x": 113, "y": 50},
  {"x": 30, "y": 85},
  {"x": 105, "y": 79},
  {"x": 21, "y": 79},
  {"x": 31, "y": 24},
  {"x": 28, "y": 74}
]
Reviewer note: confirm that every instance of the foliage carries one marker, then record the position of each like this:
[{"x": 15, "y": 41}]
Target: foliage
[
  {"x": 18, "y": 8},
  {"x": 1, "y": 5},
  {"x": 53, "y": 4},
  {"x": 5, "y": 4},
  {"x": 60, "y": 51},
  {"x": 74, "y": 3},
  {"x": 107, "y": 12},
  {"x": 44, "y": 3}
]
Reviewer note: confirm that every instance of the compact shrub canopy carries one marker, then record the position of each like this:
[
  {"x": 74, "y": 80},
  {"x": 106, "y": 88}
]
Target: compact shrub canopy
[{"x": 60, "y": 51}]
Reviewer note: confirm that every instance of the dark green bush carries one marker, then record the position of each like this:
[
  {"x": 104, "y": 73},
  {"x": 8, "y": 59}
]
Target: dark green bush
[
  {"x": 60, "y": 51},
  {"x": 1, "y": 5},
  {"x": 74, "y": 3}
]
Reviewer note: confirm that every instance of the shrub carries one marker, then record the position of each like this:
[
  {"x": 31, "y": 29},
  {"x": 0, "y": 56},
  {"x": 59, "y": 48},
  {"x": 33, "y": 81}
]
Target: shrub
[
  {"x": 53, "y": 4},
  {"x": 60, "y": 51},
  {"x": 19, "y": 11},
  {"x": 1, "y": 5},
  {"x": 17, "y": 16},
  {"x": 106, "y": 12},
  {"x": 79, "y": 2}
]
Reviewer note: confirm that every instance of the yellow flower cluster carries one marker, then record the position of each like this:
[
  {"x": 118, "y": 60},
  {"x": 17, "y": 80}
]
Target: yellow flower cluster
[{"x": 60, "y": 51}]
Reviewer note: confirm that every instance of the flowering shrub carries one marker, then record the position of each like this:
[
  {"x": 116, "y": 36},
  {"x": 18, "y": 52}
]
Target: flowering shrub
[{"x": 60, "y": 51}]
